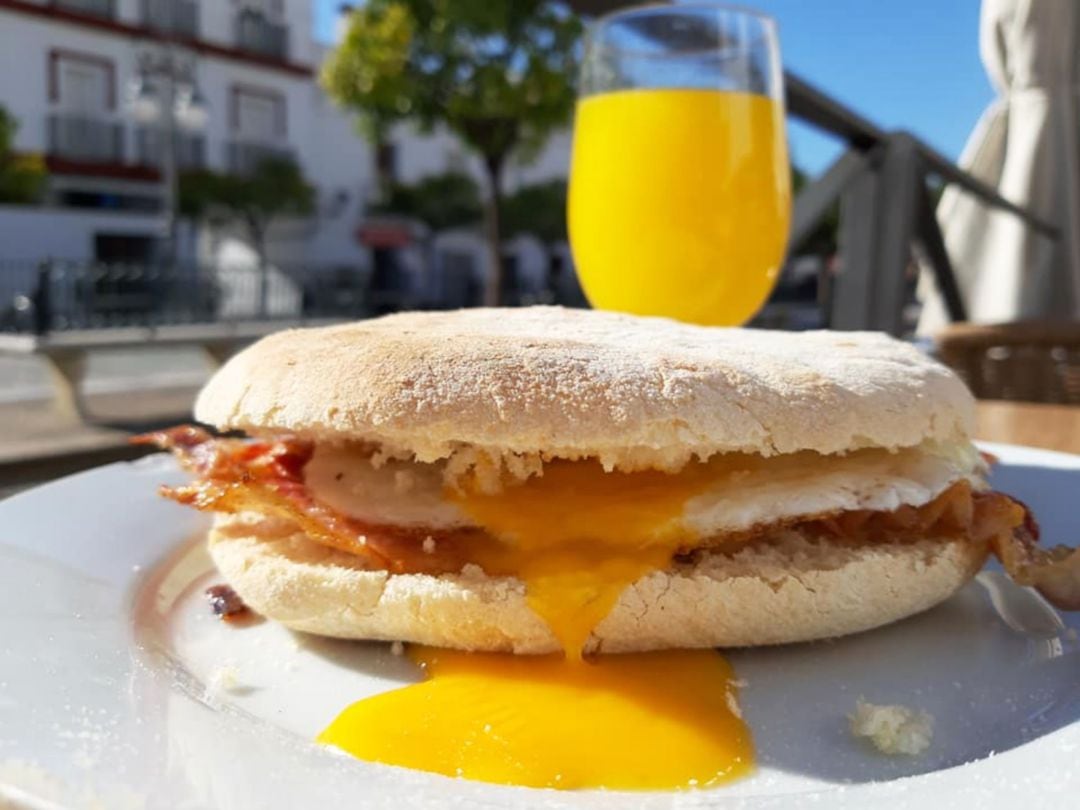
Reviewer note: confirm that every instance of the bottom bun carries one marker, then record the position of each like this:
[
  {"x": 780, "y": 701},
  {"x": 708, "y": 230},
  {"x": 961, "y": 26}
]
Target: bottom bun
[{"x": 775, "y": 593}]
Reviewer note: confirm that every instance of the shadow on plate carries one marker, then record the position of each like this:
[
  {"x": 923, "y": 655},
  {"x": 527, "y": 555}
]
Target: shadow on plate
[
  {"x": 995, "y": 666},
  {"x": 369, "y": 658}
]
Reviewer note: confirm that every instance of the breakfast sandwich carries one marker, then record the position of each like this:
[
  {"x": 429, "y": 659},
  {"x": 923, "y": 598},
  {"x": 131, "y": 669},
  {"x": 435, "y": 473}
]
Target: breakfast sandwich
[{"x": 536, "y": 480}]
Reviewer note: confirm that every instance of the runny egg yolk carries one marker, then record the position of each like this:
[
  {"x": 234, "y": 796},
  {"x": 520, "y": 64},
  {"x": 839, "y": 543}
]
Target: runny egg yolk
[
  {"x": 577, "y": 537},
  {"x": 631, "y": 722}
]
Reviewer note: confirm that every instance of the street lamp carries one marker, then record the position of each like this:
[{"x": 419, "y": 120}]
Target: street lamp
[
  {"x": 191, "y": 109},
  {"x": 165, "y": 95}
]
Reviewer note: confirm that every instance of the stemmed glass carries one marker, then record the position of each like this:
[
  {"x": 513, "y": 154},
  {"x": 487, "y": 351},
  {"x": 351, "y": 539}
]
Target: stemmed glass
[{"x": 680, "y": 189}]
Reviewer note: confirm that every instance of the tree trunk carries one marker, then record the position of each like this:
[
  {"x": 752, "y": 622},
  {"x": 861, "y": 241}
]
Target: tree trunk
[
  {"x": 384, "y": 168},
  {"x": 494, "y": 287}
]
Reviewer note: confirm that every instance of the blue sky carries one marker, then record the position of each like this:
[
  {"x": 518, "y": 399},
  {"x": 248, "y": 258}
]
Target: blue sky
[{"x": 910, "y": 64}]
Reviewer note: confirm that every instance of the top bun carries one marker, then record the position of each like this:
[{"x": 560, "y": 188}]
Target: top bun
[{"x": 572, "y": 383}]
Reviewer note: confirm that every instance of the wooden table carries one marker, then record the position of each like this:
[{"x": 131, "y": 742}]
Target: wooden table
[{"x": 1055, "y": 427}]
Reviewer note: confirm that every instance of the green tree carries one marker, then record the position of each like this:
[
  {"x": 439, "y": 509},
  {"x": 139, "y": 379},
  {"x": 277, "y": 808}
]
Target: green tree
[
  {"x": 440, "y": 201},
  {"x": 539, "y": 209},
  {"x": 22, "y": 177},
  {"x": 196, "y": 193},
  {"x": 499, "y": 74},
  {"x": 276, "y": 187}
]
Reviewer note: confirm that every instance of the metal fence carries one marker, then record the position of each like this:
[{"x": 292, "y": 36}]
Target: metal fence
[
  {"x": 57, "y": 296},
  {"x": 98, "y": 8},
  {"x": 54, "y": 296},
  {"x": 149, "y": 148},
  {"x": 256, "y": 34},
  {"x": 86, "y": 138}
]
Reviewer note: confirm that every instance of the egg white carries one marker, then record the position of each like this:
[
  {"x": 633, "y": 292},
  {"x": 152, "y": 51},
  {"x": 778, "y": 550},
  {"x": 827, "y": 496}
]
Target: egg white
[{"x": 746, "y": 490}]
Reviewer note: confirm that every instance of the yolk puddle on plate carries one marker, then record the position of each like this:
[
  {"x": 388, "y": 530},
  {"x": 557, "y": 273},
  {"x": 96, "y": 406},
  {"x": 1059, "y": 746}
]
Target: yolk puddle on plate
[
  {"x": 577, "y": 537},
  {"x": 633, "y": 722}
]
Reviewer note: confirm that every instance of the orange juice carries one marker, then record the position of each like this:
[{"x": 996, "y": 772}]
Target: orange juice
[{"x": 679, "y": 202}]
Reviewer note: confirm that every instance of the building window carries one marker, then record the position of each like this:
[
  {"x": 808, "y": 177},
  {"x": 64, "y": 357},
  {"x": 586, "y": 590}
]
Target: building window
[
  {"x": 271, "y": 9},
  {"x": 94, "y": 8},
  {"x": 82, "y": 82},
  {"x": 178, "y": 17},
  {"x": 257, "y": 117},
  {"x": 81, "y": 126},
  {"x": 261, "y": 29},
  {"x": 258, "y": 114}
]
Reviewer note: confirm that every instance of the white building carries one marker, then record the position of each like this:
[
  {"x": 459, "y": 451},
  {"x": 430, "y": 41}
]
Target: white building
[{"x": 66, "y": 72}]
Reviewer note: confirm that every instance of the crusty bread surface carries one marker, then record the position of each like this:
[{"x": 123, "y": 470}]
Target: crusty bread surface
[
  {"x": 788, "y": 591},
  {"x": 634, "y": 392}
]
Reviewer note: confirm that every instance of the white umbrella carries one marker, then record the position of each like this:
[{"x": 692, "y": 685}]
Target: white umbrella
[{"x": 1026, "y": 145}]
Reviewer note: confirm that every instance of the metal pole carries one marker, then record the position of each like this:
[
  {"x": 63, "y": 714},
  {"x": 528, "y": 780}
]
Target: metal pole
[
  {"x": 814, "y": 201},
  {"x": 853, "y": 288},
  {"x": 877, "y": 227},
  {"x": 168, "y": 136},
  {"x": 809, "y": 104},
  {"x": 43, "y": 298},
  {"x": 1070, "y": 216},
  {"x": 931, "y": 243},
  {"x": 901, "y": 182}
]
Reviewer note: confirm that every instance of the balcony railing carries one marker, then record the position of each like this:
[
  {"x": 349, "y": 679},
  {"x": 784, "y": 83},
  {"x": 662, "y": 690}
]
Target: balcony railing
[
  {"x": 243, "y": 157},
  {"x": 177, "y": 17},
  {"x": 149, "y": 151},
  {"x": 95, "y": 8},
  {"x": 256, "y": 34},
  {"x": 886, "y": 212},
  {"x": 85, "y": 138}
]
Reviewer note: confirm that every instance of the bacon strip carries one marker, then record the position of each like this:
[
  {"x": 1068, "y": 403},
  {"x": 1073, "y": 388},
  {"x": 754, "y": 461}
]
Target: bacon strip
[
  {"x": 985, "y": 517},
  {"x": 1054, "y": 572},
  {"x": 266, "y": 476}
]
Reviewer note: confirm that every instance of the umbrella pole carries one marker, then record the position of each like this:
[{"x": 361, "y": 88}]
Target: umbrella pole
[{"x": 1070, "y": 228}]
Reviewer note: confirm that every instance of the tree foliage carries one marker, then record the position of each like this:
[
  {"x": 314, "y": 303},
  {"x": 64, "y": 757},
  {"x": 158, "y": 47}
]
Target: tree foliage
[
  {"x": 497, "y": 73},
  {"x": 440, "y": 201},
  {"x": 22, "y": 176},
  {"x": 538, "y": 209},
  {"x": 276, "y": 187},
  {"x": 198, "y": 193}
]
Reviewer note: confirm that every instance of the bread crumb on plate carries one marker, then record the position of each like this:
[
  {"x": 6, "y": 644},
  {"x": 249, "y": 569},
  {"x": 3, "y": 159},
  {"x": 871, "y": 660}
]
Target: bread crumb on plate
[
  {"x": 225, "y": 679},
  {"x": 893, "y": 730}
]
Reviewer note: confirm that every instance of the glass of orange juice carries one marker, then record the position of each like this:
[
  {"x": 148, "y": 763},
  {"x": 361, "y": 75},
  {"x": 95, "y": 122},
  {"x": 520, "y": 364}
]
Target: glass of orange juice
[{"x": 680, "y": 189}]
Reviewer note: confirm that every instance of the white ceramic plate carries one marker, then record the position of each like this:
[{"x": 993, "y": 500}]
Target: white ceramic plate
[{"x": 119, "y": 690}]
